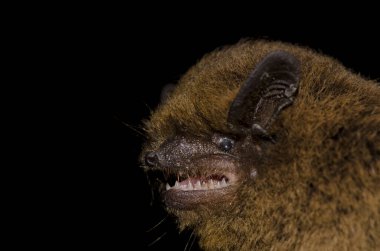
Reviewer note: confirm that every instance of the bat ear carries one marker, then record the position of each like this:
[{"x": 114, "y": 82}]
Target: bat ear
[
  {"x": 166, "y": 92},
  {"x": 269, "y": 89}
]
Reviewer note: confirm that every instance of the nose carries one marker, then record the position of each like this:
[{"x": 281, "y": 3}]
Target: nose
[{"x": 151, "y": 159}]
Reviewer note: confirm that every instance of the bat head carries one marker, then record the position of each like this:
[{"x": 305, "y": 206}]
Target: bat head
[
  {"x": 202, "y": 169},
  {"x": 263, "y": 145}
]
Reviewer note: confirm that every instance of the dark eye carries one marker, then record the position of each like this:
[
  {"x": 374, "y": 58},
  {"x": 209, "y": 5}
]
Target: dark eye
[{"x": 225, "y": 144}]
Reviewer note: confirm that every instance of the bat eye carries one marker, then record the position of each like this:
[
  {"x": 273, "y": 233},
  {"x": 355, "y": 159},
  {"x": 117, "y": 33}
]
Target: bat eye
[{"x": 225, "y": 144}]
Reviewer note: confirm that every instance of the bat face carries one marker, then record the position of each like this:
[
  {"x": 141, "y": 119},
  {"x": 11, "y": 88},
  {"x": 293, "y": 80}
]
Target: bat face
[
  {"x": 198, "y": 171},
  {"x": 206, "y": 169},
  {"x": 262, "y": 145}
]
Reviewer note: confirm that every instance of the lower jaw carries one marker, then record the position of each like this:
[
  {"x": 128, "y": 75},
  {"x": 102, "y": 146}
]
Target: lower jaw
[{"x": 189, "y": 200}]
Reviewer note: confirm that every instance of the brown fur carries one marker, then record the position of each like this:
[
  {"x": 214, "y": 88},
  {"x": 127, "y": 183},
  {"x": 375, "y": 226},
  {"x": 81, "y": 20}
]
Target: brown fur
[{"x": 319, "y": 188}]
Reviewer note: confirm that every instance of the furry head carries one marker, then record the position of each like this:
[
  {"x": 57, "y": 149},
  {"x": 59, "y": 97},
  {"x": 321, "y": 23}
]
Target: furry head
[{"x": 269, "y": 146}]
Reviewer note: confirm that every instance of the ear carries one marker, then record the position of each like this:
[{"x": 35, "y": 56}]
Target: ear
[
  {"x": 166, "y": 92},
  {"x": 270, "y": 88}
]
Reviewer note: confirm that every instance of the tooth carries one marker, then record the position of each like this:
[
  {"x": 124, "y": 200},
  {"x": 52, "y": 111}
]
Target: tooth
[
  {"x": 211, "y": 184},
  {"x": 218, "y": 184},
  {"x": 198, "y": 185},
  {"x": 190, "y": 186},
  {"x": 224, "y": 183},
  {"x": 167, "y": 186},
  {"x": 176, "y": 184},
  {"x": 204, "y": 185}
]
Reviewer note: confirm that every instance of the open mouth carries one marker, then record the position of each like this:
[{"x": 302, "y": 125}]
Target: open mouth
[
  {"x": 205, "y": 181},
  {"x": 201, "y": 184},
  {"x": 192, "y": 191}
]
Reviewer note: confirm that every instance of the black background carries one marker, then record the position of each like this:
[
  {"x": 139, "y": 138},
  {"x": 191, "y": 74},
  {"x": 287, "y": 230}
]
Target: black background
[{"x": 127, "y": 62}]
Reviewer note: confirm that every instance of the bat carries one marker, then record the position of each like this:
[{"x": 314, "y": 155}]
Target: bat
[{"x": 269, "y": 146}]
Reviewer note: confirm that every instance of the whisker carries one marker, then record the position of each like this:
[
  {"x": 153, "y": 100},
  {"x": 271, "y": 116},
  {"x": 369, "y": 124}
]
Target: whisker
[
  {"x": 133, "y": 128},
  {"x": 149, "y": 108},
  {"x": 156, "y": 240},
  {"x": 192, "y": 243},
  {"x": 191, "y": 235},
  {"x": 161, "y": 221}
]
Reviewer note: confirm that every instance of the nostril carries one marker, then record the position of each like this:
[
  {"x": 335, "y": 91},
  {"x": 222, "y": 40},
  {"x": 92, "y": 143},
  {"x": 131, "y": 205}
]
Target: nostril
[{"x": 151, "y": 159}]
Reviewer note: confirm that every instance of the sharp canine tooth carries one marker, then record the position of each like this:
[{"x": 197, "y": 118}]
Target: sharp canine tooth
[
  {"x": 211, "y": 184},
  {"x": 224, "y": 183},
  {"x": 176, "y": 184},
  {"x": 190, "y": 186},
  {"x": 204, "y": 185},
  {"x": 198, "y": 185},
  {"x": 167, "y": 186},
  {"x": 218, "y": 184}
]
